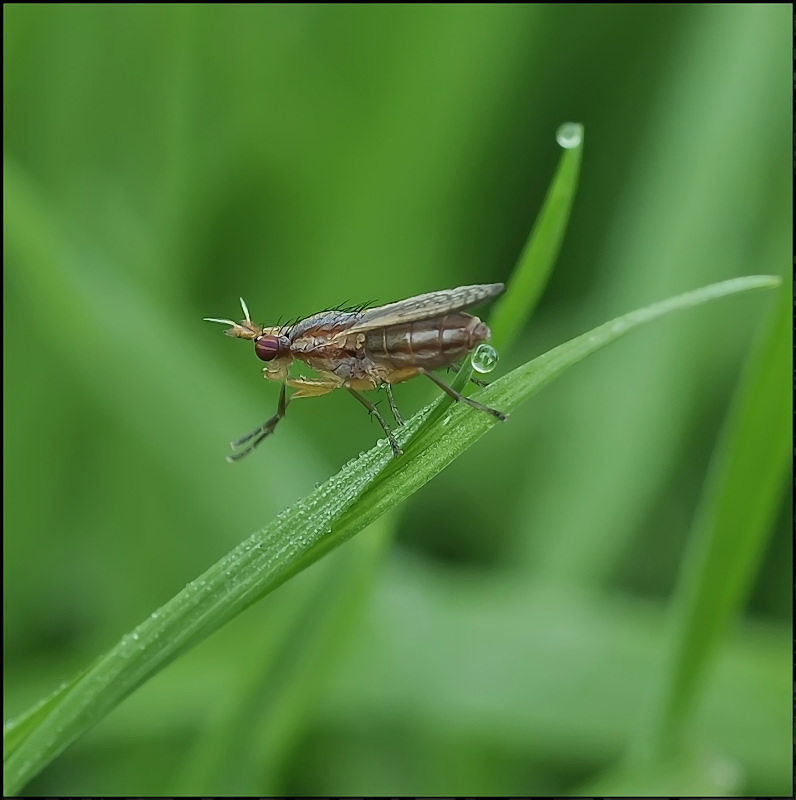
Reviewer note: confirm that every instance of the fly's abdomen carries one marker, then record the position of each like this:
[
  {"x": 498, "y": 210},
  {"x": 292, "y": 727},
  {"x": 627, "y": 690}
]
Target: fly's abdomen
[{"x": 429, "y": 343}]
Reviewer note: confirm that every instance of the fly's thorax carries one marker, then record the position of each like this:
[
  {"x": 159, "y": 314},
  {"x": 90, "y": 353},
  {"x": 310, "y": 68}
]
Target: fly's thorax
[
  {"x": 344, "y": 356},
  {"x": 428, "y": 344},
  {"x": 322, "y": 326}
]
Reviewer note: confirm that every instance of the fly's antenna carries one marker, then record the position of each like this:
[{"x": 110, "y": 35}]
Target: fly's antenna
[
  {"x": 245, "y": 310},
  {"x": 222, "y": 321},
  {"x": 231, "y": 322},
  {"x": 245, "y": 329}
]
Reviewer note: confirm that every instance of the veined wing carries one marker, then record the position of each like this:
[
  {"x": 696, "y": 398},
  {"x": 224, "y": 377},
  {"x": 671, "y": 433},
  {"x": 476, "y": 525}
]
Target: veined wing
[{"x": 425, "y": 306}]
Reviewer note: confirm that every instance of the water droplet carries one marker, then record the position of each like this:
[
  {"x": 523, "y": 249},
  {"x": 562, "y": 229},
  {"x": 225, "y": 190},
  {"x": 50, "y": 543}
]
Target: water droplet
[
  {"x": 485, "y": 358},
  {"x": 570, "y": 135},
  {"x": 446, "y": 420}
]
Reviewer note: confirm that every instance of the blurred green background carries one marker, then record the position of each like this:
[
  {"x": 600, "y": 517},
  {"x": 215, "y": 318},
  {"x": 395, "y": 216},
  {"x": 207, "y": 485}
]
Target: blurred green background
[{"x": 504, "y": 632}]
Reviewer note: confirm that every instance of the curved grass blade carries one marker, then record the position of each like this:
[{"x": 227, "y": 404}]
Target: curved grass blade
[
  {"x": 531, "y": 272},
  {"x": 734, "y": 522},
  {"x": 535, "y": 265},
  {"x": 349, "y": 501}
]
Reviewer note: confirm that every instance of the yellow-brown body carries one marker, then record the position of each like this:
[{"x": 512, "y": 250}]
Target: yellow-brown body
[{"x": 365, "y": 349}]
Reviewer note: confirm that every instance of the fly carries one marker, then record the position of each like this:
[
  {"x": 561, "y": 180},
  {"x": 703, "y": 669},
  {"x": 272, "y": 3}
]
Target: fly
[{"x": 364, "y": 349}]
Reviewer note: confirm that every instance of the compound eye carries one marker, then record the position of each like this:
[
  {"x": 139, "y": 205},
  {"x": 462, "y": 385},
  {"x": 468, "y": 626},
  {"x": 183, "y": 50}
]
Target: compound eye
[{"x": 266, "y": 348}]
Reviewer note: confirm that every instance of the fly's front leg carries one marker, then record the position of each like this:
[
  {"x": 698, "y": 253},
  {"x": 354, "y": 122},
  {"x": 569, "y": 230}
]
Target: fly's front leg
[
  {"x": 460, "y": 397},
  {"x": 260, "y": 433},
  {"x": 373, "y": 410},
  {"x": 313, "y": 387},
  {"x": 393, "y": 407}
]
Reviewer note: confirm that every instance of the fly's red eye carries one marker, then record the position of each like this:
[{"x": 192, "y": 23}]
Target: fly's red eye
[{"x": 266, "y": 348}]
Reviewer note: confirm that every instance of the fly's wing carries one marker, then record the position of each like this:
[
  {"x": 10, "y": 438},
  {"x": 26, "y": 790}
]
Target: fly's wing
[{"x": 425, "y": 306}]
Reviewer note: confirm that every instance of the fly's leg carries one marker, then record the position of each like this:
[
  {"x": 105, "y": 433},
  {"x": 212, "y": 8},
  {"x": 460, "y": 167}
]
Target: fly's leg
[
  {"x": 373, "y": 410},
  {"x": 476, "y": 381},
  {"x": 313, "y": 387},
  {"x": 393, "y": 407},
  {"x": 460, "y": 397},
  {"x": 260, "y": 433}
]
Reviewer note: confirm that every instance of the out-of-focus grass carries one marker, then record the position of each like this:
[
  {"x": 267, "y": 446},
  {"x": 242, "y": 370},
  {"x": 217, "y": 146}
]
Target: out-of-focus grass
[
  {"x": 735, "y": 520},
  {"x": 177, "y": 157}
]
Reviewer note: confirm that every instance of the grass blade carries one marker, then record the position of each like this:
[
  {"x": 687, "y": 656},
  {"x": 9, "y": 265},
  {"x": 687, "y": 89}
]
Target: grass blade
[
  {"x": 527, "y": 281},
  {"x": 349, "y": 501},
  {"x": 535, "y": 265},
  {"x": 734, "y": 522}
]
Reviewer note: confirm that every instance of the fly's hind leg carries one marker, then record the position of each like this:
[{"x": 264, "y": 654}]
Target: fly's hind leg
[
  {"x": 260, "y": 433},
  {"x": 476, "y": 381},
  {"x": 449, "y": 390},
  {"x": 373, "y": 410}
]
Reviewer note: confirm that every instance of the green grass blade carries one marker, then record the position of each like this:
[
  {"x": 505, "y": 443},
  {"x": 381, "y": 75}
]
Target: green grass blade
[
  {"x": 16, "y": 731},
  {"x": 734, "y": 522},
  {"x": 527, "y": 281},
  {"x": 464, "y": 426},
  {"x": 349, "y": 501},
  {"x": 533, "y": 269},
  {"x": 245, "y": 751}
]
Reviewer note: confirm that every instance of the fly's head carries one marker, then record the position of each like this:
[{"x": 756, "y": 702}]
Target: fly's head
[{"x": 269, "y": 343}]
